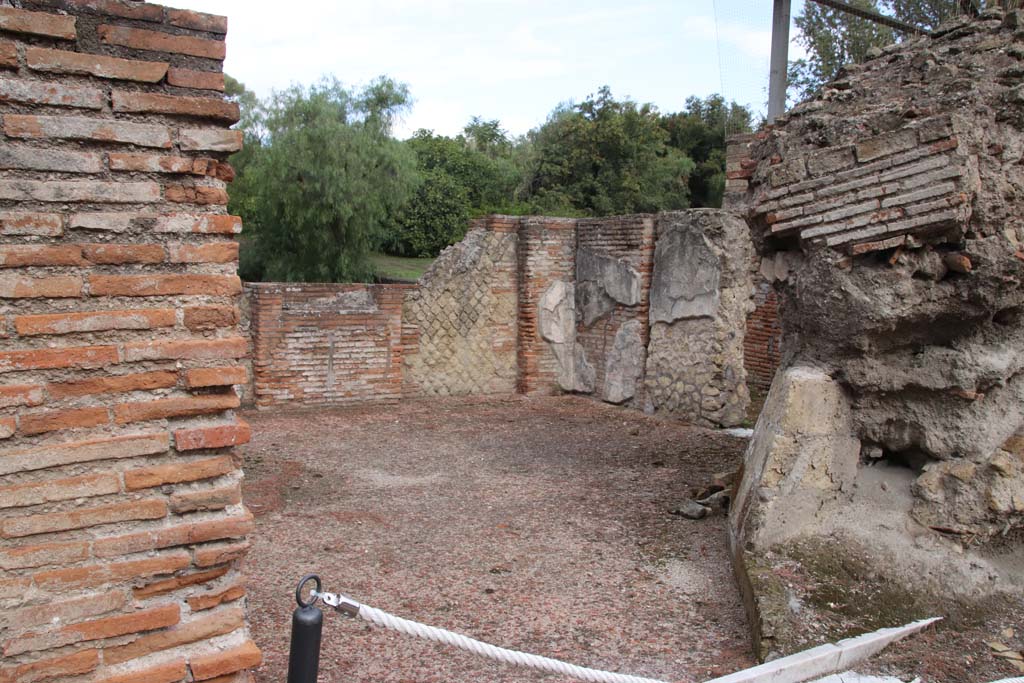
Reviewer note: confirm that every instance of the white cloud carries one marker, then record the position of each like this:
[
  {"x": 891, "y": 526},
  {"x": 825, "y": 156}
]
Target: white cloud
[
  {"x": 749, "y": 42},
  {"x": 513, "y": 60}
]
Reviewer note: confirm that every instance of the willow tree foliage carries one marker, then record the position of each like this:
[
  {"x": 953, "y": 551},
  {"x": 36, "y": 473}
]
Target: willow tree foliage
[{"x": 324, "y": 180}]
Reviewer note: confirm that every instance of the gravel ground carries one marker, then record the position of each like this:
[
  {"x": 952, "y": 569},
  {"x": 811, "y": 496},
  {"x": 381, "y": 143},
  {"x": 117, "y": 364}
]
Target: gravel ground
[{"x": 536, "y": 524}]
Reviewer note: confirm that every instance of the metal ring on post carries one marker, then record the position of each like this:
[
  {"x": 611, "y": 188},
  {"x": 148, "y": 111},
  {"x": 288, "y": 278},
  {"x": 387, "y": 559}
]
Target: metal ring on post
[
  {"x": 316, "y": 591},
  {"x": 307, "y": 626}
]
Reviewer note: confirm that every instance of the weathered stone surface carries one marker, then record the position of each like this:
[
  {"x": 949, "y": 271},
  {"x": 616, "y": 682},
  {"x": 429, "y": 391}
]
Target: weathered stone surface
[
  {"x": 465, "y": 313},
  {"x": 964, "y": 496},
  {"x": 701, "y": 294},
  {"x": 691, "y": 509},
  {"x": 557, "y": 316},
  {"x": 814, "y": 496},
  {"x": 625, "y": 363},
  {"x": 584, "y": 374},
  {"x": 592, "y": 302},
  {"x": 557, "y": 321},
  {"x": 901, "y": 282},
  {"x": 601, "y": 281},
  {"x": 686, "y": 275},
  {"x": 359, "y": 300},
  {"x": 933, "y": 371},
  {"x": 803, "y": 452}
]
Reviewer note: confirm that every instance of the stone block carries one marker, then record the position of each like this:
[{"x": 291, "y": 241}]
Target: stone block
[
  {"x": 788, "y": 172},
  {"x": 686, "y": 276},
  {"x": 886, "y": 145},
  {"x": 557, "y": 316},
  {"x": 830, "y": 160},
  {"x": 603, "y": 281},
  {"x": 803, "y": 453},
  {"x": 625, "y": 363}
]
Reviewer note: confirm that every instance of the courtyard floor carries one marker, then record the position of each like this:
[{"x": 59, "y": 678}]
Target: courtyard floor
[
  {"x": 539, "y": 524},
  {"x": 542, "y": 525}
]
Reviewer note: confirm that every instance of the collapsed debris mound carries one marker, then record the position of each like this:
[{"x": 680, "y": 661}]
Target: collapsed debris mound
[{"x": 888, "y": 211}]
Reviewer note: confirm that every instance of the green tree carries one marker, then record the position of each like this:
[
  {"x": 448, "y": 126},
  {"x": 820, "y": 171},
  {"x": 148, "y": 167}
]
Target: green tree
[
  {"x": 326, "y": 180},
  {"x": 241, "y": 193},
  {"x": 248, "y": 104},
  {"x": 604, "y": 157},
  {"x": 927, "y": 14},
  {"x": 486, "y": 172},
  {"x": 700, "y": 132},
  {"x": 832, "y": 38},
  {"x": 498, "y": 168},
  {"x": 435, "y": 217},
  {"x": 487, "y": 137},
  {"x": 463, "y": 177}
]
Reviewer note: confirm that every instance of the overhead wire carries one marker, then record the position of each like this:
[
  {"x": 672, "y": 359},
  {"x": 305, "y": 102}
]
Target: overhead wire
[{"x": 721, "y": 72}]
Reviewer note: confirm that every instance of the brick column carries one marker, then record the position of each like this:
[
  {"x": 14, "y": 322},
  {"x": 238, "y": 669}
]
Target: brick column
[
  {"x": 546, "y": 253},
  {"x": 121, "y": 523}
]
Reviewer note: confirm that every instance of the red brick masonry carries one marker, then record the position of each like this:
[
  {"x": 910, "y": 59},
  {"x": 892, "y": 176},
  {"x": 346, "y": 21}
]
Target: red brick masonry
[
  {"x": 121, "y": 521},
  {"x": 327, "y": 343}
]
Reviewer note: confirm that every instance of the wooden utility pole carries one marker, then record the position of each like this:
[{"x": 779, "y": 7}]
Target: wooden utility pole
[{"x": 777, "y": 82}]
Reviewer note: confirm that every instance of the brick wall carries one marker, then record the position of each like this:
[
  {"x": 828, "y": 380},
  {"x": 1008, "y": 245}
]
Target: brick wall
[
  {"x": 326, "y": 343},
  {"x": 763, "y": 344},
  {"x": 628, "y": 239},
  {"x": 121, "y": 523},
  {"x": 532, "y": 305},
  {"x": 467, "y": 328},
  {"x": 547, "y": 252}
]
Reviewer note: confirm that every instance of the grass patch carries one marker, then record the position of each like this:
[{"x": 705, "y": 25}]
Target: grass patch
[{"x": 399, "y": 267}]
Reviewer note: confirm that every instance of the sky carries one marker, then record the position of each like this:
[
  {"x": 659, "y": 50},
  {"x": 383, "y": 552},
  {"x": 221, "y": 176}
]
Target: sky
[{"x": 511, "y": 60}]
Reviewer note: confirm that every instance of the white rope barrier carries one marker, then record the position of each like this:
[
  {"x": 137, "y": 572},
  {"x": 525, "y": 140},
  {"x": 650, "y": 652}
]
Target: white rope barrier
[
  {"x": 501, "y": 654},
  {"x": 802, "y": 666}
]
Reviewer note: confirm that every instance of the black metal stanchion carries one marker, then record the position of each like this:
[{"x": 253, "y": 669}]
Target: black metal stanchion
[{"x": 307, "y": 624}]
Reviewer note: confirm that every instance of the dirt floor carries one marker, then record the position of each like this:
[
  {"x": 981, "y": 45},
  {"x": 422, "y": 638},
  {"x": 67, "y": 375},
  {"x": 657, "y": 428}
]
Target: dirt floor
[
  {"x": 536, "y": 524},
  {"x": 542, "y": 525}
]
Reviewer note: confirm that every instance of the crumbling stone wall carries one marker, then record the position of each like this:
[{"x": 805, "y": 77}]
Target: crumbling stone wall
[
  {"x": 762, "y": 347},
  {"x": 461, "y": 319},
  {"x": 326, "y": 344},
  {"x": 699, "y": 301},
  {"x": 889, "y": 211},
  {"x": 121, "y": 522},
  {"x": 593, "y": 319},
  {"x": 659, "y": 304},
  {"x": 532, "y": 305}
]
